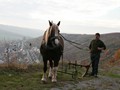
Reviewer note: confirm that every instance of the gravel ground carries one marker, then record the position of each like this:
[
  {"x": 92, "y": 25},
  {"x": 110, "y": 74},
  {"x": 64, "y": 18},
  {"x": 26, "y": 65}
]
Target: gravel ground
[{"x": 100, "y": 83}]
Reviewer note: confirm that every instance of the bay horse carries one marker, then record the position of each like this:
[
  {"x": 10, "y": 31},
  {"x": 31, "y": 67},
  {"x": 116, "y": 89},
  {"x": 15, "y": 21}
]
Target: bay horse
[{"x": 51, "y": 49}]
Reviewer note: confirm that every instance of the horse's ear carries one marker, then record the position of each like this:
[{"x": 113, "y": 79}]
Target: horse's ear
[
  {"x": 50, "y": 23},
  {"x": 58, "y": 23}
]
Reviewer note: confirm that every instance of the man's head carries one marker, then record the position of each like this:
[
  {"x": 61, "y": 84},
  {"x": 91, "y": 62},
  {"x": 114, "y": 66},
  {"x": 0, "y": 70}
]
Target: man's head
[{"x": 97, "y": 35}]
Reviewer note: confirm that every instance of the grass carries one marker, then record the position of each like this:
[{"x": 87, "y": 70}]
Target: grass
[
  {"x": 113, "y": 72},
  {"x": 113, "y": 75},
  {"x": 29, "y": 79}
]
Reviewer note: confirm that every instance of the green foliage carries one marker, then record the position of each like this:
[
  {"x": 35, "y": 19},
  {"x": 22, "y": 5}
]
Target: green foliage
[
  {"x": 113, "y": 72},
  {"x": 114, "y": 75}
]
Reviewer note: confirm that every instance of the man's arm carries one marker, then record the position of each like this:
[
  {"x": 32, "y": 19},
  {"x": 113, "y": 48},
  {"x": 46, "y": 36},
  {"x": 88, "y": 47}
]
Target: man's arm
[{"x": 103, "y": 47}]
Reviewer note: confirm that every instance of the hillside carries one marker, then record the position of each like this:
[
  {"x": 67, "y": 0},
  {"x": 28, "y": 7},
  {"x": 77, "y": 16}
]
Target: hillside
[
  {"x": 72, "y": 53},
  {"x": 14, "y": 31}
]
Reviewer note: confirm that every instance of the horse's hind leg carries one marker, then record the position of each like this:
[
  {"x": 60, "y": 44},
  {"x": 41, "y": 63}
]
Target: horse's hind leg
[
  {"x": 44, "y": 77},
  {"x": 50, "y": 69}
]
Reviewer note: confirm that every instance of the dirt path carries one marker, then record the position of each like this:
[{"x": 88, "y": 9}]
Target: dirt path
[{"x": 101, "y": 83}]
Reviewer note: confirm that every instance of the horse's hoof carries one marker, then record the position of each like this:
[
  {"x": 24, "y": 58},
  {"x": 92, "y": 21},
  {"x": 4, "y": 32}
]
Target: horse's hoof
[
  {"x": 54, "y": 81},
  {"x": 44, "y": 80},
  {"x": 50, "y": 77}
]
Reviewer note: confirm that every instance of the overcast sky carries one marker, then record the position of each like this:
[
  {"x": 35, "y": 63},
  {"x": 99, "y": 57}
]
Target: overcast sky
[{"x": 76, "y": 16}]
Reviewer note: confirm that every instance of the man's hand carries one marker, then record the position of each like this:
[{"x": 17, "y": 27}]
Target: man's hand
[{"x": 100, "y": 48}]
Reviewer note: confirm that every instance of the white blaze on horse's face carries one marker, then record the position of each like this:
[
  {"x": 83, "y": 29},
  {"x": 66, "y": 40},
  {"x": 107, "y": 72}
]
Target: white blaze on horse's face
[
  {"x": 57, "y": 35},
  {"x": 55, "y": 32},
  {"x": 56, "y": 41},
  {"x": 55, "y": 29}
]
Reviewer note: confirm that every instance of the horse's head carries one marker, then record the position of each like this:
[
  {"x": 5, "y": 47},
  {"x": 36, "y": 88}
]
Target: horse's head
[
  {"x": 54, "y": 29},
  {"x": 52, "y": 34}
]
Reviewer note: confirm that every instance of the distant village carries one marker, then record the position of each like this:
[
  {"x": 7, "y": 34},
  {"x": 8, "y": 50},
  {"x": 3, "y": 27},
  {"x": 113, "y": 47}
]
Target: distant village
[{"x": 19, "y": 51}]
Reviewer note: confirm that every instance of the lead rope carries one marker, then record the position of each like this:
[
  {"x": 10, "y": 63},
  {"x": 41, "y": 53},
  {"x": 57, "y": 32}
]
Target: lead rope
[
  {"x": 70, "y": 40},
  {"x": 73, "y": 43}
]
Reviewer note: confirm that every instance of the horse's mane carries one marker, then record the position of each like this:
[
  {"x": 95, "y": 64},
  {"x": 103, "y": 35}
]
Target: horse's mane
[{"x": 48, "y": 33}]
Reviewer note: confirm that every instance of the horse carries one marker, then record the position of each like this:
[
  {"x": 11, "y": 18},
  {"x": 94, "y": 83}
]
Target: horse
[{"x": 51, "y": 49}]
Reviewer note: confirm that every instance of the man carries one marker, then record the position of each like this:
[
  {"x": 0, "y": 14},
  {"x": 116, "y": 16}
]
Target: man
[{"x": 96, "y": 46}]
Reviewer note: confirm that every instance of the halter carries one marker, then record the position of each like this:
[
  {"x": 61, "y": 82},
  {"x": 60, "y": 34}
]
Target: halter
[{"x": 55, "y": 37}]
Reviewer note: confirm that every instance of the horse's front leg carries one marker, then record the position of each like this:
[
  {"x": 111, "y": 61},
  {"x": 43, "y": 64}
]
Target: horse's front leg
[
  {"x": 44, "y": 77},
  {"x": 50, "y": 69},
  {"x": 54, "y": 71}
]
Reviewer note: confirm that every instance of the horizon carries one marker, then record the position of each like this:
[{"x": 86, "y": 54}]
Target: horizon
[
  {"x": 82, "y": 16},
  {"x": 62, "y": 32}
]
